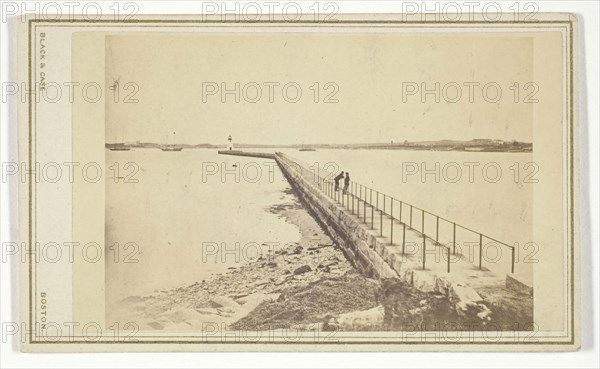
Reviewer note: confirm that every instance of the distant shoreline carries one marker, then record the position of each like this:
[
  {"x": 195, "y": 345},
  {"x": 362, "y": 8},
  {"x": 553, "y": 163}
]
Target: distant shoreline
[{"x": 476, "y": 145}]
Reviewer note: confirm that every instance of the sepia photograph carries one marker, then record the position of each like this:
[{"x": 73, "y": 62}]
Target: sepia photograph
[
  {"x": 319, "y": 186},
  {"x": 340, "y": 181}
]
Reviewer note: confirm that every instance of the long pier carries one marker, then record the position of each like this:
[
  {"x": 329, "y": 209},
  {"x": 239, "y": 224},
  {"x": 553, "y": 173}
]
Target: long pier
[
  {"x": 262, "y": 155},
  {"x": 387, "y": 238}
]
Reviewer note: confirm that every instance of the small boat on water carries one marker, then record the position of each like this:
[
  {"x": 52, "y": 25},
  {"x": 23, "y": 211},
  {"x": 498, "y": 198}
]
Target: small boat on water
[
  {"x": 303, "y": 149},
  {"x": 171, "y": 148},
  {"x": 118, "y": 147}
]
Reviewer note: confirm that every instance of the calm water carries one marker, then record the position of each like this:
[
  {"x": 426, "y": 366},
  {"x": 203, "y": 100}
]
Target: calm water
[
  {"x": 501, "y": 209},
  {"x": 173, "y": 210},
  {"x": 179, "y": 204}
]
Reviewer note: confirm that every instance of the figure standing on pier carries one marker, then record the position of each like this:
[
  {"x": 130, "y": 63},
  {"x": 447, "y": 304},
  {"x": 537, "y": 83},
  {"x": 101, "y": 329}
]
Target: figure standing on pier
[
  {"x": 346, "y": 182},
  {"x": 337, "y": 180},
  {"x": 230, "y": 144}
]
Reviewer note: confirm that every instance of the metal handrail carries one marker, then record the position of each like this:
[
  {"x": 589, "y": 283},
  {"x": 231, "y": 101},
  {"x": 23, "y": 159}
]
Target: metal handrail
[{"x": 358, "y": 193}]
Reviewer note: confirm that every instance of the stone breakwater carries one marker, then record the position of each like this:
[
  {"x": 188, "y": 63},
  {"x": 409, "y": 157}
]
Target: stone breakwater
[
  {"x": 466, "y": 288},
  {"x": 345, "y": 229}
]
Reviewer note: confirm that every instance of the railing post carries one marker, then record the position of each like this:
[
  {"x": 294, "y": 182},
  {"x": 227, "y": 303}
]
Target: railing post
[
  {"x": 333, "y": 191},
  {"x": 381, "y": 217},
  {"x": 437, "y": 228},
  {"x": 353, "y": 190},
  {"x": 348, "y": 198},
  {"x": 365, "y": 207},
  {"x": 448, "y": 256},
  {"x": 403, "y": 237},
  {"x": 361, "y": 196},
  {"x": 372, "y": 208},
  {"x": 422, "y": 221},
  {"x": 480, "y": 249},
  {"x": 411, "y": 211},
  {"x": 424, "y": 244},
  {"x": 400, "y": 212},
  {"x": 392, "y": 221},
  {"x": 358, "y": 201},
  {"x": 512, "y": 266},
  {"x": 454, "y": 238}
]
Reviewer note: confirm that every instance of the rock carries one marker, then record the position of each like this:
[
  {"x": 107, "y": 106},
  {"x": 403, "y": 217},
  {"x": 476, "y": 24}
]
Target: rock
[
  {"x": 224, "y": 301},
  {"x": 132, "y": 300},
  {"x": 303, "y": 269},
  {"x": 281, "y": 280},
  {"x": 320, "y": 246},
  {"x": 156, "y": 325},
  {"x": 181, "y": 315},
  {"x": 356, "y": 320},
  {"x": 415, "y": 311},
  {"x": 518, "y": 284},
  {"x": 424, "y": 281},
  {"x": 442, "y": 285},
  {"x": 207, "y": 311},
  {"x": 226, "y": 311},
  {"x": 261, "y": 283},
  {"x": 272, "y": 264},
  {"x": 467, "y": 302},
  {"x": 298, "y": 249}
]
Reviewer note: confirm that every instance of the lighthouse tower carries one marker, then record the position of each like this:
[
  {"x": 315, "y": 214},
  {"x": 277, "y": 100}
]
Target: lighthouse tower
[{"x": 229, "y": 143}]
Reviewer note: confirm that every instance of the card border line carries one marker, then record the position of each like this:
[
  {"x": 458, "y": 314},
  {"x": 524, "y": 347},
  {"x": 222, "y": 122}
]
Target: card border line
[{"x": 77, "y": 22}]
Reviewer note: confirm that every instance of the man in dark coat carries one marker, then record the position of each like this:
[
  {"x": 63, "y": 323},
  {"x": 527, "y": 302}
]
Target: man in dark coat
[
  {"x": 346, "y": 182},
  {"x": 337, "y": 180}
]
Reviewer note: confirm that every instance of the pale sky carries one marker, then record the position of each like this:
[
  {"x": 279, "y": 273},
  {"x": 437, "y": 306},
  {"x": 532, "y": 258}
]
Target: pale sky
[{"x": 369, "y": 71}]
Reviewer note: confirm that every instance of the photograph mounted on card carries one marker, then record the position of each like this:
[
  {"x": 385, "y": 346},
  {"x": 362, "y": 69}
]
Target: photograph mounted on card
[{"x": 370, "y": 183}]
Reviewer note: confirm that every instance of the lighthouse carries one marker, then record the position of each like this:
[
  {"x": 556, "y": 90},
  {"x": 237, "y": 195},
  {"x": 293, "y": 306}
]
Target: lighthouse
[{"x": 229, "y": 143}]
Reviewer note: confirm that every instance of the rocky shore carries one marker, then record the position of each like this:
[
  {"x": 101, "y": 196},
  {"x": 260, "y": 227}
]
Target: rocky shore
[
  {"x": 304, "y": 285},
  {"x": 314, "y": 263}
]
